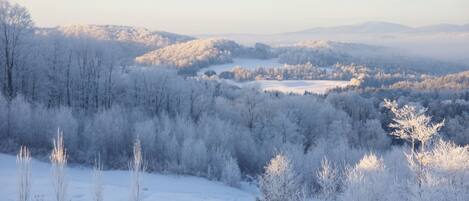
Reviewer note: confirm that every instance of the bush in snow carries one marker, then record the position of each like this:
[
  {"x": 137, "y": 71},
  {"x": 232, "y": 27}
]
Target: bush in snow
[
  {"x": 367, "y": 181},
  {"x": 442, "y": 173}
]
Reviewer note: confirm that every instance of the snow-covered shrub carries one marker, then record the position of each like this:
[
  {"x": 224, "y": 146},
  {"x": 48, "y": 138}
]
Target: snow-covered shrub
[
  {"x": 108, "y": 132},
  {"x": 64, "y": 119},
  {"x": 442, "y": 173},
  {"x": 194, "y": 157},
  {"x": 368, "y": 180}
]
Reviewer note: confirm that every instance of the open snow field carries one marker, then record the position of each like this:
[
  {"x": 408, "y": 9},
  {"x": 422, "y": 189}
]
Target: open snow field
[
  {"x": 294, "y": 86},
  {"x": 116, "y": 185},
  {"x": 243, "y": 63}
]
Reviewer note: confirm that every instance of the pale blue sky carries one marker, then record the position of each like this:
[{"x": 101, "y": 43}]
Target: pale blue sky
[{"x": 244, "y": 16}]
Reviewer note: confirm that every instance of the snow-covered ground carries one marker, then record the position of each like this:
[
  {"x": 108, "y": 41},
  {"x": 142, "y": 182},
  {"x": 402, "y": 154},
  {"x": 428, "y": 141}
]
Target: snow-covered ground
[
  {"x": 286, "y": 86},
  {"x": 116, "y": 185},
  {"x": 295, "y": 86},
  {"x": 243, "y": 63}
]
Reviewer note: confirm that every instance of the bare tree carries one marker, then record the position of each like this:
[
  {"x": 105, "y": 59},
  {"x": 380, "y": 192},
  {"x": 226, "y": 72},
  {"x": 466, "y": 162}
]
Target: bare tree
[
  {"x": 58, "y": 159},
  {"x": 23, "y": 161},
  {"x": 136, "y": 167},
  {"x": 15, "y": 22},
  {"x": 412, "y": 124}
]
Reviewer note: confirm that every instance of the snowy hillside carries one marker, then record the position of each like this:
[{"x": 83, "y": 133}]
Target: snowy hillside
[
  {"x": 326, "y": 53},
  {"x": 126, "y": 34},
  {"x": 116, "y": 185},
  {"x": 196, "y": 53}
]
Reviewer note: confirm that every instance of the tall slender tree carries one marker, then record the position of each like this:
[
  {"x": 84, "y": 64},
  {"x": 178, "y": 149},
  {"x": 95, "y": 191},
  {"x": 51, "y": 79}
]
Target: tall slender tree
[
  {"x": 23, "y": 161},
  {"x": 58, "y": 159},
  {"x": 15, "y": 23},
  {"x": 136, "y": 168},
  {"x": 97, "y": 180}
]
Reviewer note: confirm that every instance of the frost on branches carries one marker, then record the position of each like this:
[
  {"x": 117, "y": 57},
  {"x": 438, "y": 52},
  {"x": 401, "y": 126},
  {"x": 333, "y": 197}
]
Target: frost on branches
[{"x": 279, "y": 182}]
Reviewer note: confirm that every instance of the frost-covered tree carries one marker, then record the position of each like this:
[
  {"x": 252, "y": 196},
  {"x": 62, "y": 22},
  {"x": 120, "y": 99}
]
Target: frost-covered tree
[
  {"x": 15, "y": 22},
  {"x": 412, "y": 124},
  {"x": 280, "y": 182},
  {"x": 58, "y": 158},
  {"x": 328, "y": 179},
  {"x": 368, "y": 180},
  {"x": 23, "y": 161},
  {"x": 231, "y": 174},
  {"x": 137, "y": 167},
  {"x": 441, "y": 173}
]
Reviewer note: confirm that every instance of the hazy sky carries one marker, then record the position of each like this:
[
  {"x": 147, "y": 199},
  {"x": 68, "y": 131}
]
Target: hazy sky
[{"x": 244, "y": 16}]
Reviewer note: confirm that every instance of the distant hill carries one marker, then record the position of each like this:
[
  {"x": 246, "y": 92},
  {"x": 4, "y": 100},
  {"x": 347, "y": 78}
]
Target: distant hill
[
  {"x": 201, "y": 53},
  {"x": 367, "y": 27},
  {"x": 124, "y": 34},
  {"x": 327, "y": 53},
  {"x": 192, "y": 54},
  {"x": 442, "y": 28},
  {"x": 123, "y": 42},
  {"x": 457, "y": 81},
  {"x": 339, "y": 47}
]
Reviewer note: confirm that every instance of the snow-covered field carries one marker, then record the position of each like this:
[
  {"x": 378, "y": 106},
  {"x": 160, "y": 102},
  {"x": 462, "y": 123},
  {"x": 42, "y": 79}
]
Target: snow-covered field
[
  {"x": 295, "y": 86},
  {"x": 116, "y": 185},
  {"x": 286, "y": 86},
  {"x": 244, "y": 63}
]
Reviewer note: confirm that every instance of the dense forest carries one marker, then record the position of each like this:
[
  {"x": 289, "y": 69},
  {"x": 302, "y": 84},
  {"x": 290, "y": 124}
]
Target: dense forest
[{"x": 348, "y": 144}]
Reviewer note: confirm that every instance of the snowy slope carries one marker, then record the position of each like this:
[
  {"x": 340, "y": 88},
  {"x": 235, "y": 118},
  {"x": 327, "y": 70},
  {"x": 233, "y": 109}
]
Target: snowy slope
[
  {"x": 123, "y": 34},
  {"x": 155, "y": 186},
  {"x": 195, "y": 53}
]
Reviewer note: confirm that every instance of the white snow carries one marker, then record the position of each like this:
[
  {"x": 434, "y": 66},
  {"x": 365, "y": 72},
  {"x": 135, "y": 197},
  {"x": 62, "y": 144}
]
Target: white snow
[
  {"x": 294, "y": 86},
  {"x": 285, "y": 86},
  {"x": 243, "y": 63},
  {"x": 116, "y": 185}
]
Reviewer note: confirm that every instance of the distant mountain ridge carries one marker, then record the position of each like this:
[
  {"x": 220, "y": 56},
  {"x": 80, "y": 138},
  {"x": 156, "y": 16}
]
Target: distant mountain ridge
[
  {"x": 384, "y": 27},
  {"x": 367, "y": 27},
  {"x": 327, "y": 53}
]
